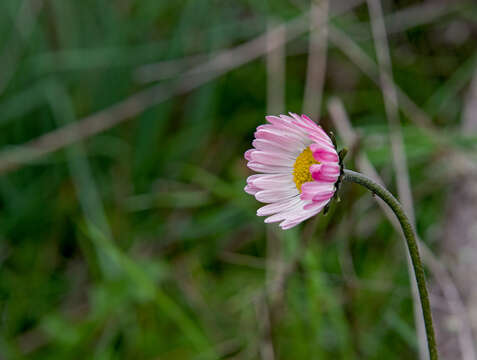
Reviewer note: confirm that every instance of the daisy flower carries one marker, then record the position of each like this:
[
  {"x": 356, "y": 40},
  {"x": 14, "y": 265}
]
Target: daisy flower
[{"x": 298, "y": 169}]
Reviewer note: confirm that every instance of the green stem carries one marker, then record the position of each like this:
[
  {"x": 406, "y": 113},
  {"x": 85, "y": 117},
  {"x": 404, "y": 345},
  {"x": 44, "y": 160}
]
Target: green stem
[{"x": 409, "y": 234}]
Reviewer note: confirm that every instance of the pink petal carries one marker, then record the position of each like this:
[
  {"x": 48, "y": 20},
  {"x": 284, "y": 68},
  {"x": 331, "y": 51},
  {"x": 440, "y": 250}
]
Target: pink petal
[
  {"x": 285, "y": 225},
  {"x": 283, "y": 131},
  {"x": 325, "y": 172},
  {"x": 247, "y": 154},
  {"x": 307, "y": 118},
  {"x": 285, "y": 123},
  {"x": 252, "y": 178},
  {"x": 325, "y": 190},
  {"x": 271, "y": 159},
  {"x": 320, "y": 141},
  {"x": 315, "y": 130},
  {"x": 250, "y": 189},
  {"x": 269, "y": 146},
  {"x": 271, "y": 118},
  {"x": 295, "y": 117},
  {"x": 323, "y": 196},
  {"x": 315, "y": 187},
  {"x": 323, "y": 154},
  {"x": 281, "y": 140}
]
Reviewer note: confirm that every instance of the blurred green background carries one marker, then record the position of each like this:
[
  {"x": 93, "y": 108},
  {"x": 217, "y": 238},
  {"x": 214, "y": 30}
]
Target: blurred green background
[{"x": 129, "y": 236}]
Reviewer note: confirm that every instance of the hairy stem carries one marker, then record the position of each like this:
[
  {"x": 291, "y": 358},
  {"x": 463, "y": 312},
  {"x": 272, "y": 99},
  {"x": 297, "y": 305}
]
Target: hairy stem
[{"x": 409, "y": 234}]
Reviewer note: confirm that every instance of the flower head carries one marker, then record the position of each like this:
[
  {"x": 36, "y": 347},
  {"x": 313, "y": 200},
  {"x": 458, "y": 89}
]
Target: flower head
[{"x": 298, "y": 168}]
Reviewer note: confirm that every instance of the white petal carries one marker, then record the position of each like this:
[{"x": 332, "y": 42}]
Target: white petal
[
  {"x": 270, "y": 196},
  {"x": 278, "y": 206},
  {"x": 274, "y": 184},
  {"x": 294, "y": 211},
  {"x": 270, "y": 169}
]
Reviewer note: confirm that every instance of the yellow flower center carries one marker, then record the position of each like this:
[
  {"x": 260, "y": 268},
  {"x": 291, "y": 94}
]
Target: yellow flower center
[{"x": 301, "y": 169}]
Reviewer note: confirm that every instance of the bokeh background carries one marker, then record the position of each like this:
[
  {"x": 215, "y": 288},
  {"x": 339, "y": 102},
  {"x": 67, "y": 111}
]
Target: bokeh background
[{"x": 124, "y": 229}]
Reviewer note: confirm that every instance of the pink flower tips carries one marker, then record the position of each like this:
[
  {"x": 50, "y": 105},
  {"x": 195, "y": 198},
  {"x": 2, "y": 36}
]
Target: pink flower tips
[{"x": 298, "y": 168}]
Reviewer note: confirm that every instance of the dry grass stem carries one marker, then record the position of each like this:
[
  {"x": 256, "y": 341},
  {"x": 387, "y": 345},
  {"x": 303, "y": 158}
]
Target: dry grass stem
[
  {"x": 315, "y": 75},
  {"x": 224, "y": 62}
]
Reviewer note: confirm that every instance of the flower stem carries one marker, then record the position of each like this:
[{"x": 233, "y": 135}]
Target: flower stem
[{"x": 409, "y": 234}]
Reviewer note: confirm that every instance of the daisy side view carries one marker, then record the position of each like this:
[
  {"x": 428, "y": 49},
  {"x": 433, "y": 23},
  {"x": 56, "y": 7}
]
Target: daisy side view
[{"x": 299, "y": 172}]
